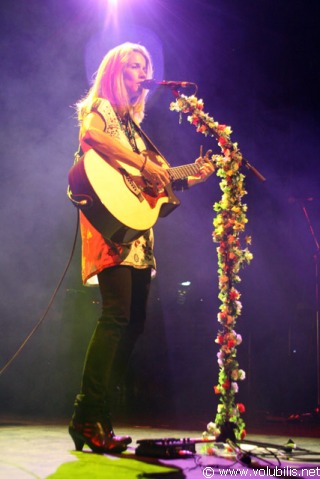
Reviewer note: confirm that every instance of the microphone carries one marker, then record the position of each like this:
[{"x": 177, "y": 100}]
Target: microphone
[{"x": 149, "y": 84}]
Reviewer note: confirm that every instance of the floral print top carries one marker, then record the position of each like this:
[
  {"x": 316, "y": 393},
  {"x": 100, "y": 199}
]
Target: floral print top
[{"x": 97, "y": 252}]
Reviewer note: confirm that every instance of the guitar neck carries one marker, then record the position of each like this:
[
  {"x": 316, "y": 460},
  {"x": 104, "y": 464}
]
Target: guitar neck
[{"x": 179, "y": 172}]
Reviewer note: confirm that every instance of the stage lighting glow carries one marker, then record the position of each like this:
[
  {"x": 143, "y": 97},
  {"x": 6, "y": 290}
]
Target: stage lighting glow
[{"x": 101, "y": 41}]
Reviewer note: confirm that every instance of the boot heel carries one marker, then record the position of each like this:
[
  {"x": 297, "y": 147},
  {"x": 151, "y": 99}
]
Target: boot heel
[{"x": 78, "y": 441}]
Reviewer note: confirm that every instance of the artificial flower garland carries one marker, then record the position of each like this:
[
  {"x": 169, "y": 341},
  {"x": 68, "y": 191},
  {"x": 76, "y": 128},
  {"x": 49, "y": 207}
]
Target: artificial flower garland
[{"x": 229, "y": 224}]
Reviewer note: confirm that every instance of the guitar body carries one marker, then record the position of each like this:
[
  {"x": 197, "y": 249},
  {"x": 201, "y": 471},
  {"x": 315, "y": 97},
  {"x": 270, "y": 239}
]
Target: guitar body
[{"x": 115, "y": 198}]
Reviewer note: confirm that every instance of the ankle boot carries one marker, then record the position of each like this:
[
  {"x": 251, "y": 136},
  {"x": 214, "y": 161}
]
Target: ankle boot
[
  {"x": 108, "y": 430},
  {"x": 94, "y": 435}
]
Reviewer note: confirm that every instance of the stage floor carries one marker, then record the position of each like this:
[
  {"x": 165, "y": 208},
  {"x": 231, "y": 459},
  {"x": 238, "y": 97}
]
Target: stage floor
[{"x": 40, "y": 450}]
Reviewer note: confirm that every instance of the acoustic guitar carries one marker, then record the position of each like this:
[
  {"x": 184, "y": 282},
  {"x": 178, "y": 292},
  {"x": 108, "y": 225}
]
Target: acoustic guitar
[{"x": 117, "y": 200}]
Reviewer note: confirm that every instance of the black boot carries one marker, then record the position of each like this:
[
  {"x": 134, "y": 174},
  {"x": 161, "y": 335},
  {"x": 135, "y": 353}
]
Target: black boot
[
  {"x": 90, "y": 424},
  {"x": 97, "y": 438},
  {"x": 108, "y": 430}
]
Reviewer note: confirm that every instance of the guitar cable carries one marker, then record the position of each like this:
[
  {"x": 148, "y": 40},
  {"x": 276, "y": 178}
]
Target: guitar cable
[{"x": 38, "y": 324}]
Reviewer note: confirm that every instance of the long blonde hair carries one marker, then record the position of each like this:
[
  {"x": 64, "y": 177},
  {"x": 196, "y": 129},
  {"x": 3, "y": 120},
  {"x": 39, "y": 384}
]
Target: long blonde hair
[{"x": 109, "y": 83}]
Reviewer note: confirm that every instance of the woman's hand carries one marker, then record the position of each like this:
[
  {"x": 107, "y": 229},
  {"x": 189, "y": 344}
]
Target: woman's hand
[
  {"x": 206, "y": 170},
  {"x": 155, "y": 174}
]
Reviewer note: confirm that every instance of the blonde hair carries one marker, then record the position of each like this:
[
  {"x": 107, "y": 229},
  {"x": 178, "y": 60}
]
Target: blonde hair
[{"x": 109, "y": 83}]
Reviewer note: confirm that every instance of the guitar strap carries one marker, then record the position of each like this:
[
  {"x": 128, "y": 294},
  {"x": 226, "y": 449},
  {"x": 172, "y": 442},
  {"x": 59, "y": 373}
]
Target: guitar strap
[{"x": 150, "y": 145}]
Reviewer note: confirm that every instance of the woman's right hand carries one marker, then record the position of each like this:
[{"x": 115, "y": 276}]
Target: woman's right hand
[{"x": 155, "y": 174}]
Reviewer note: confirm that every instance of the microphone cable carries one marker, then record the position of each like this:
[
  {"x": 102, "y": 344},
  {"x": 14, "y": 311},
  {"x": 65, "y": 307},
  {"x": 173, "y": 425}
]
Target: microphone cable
[{"x": 37, "y": 326}]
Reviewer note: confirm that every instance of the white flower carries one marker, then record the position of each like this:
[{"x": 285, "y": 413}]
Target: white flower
[
  {"x": 235, "y": 387},
  {"x": 211, "y": 426},
  {"x": 238, "y": 306},
  {"x": 220, "y": 357}
]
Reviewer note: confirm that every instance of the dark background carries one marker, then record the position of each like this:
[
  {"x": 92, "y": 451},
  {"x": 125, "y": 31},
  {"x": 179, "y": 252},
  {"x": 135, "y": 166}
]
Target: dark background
[{"x": 256, "y": 64}]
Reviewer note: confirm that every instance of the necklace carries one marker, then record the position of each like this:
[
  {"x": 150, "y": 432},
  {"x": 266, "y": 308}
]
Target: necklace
[{"x": 128, "y": 128}]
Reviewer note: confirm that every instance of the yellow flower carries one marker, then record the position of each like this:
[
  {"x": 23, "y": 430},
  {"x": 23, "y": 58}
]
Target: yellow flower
[{"x": 248, "y": 256}]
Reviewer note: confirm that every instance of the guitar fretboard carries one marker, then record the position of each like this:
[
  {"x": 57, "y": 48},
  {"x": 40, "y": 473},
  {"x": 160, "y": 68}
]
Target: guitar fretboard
[{"x": 178, "y": 172}]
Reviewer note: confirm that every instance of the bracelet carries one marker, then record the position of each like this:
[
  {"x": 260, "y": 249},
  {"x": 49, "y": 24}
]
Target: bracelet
[{"x": 144, "y": 163}]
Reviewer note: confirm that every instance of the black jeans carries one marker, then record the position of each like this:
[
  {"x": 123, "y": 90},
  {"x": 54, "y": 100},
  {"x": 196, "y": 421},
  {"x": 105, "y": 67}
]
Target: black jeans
[{"x": 124, "y": 292}]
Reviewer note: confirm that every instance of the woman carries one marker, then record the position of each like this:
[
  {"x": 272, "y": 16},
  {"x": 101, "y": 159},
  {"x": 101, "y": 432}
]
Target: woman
[{"x": 109, "y": 118}]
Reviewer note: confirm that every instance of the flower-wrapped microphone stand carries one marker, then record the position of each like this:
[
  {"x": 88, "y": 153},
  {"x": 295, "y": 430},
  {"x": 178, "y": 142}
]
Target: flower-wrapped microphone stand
[{"x": 229, "y": 226}]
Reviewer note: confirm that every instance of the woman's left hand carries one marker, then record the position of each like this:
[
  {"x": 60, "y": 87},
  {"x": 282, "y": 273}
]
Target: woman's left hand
[{"x": 206, "y": 170}]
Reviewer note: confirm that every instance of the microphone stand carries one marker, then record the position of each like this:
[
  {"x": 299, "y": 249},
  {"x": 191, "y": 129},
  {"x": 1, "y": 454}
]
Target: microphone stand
[
  {"x": 229, "y": 423},
  {"x": 316, "y": 258}
]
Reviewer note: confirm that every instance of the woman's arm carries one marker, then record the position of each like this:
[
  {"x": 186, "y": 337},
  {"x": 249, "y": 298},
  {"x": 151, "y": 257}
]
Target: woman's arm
[{"x": 92, "y": 132}]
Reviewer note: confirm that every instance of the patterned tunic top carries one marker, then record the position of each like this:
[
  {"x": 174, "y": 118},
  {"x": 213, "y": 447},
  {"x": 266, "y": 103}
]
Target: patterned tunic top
[{"x": 99, "y": 253}]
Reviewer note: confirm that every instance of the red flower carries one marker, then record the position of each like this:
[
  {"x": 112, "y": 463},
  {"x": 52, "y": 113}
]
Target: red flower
[
  {"x": 216, "y": 389},
  {"x": 219, "y": 339},
  {"x": 231, "y": 343},
  {"x": 241, "y": 407},
  {"x": 222, "y": 141},
  {"x": 243, "y": 433},
  {"x": 233, "y": 295},
  {"x": 226, "y": 384}
]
